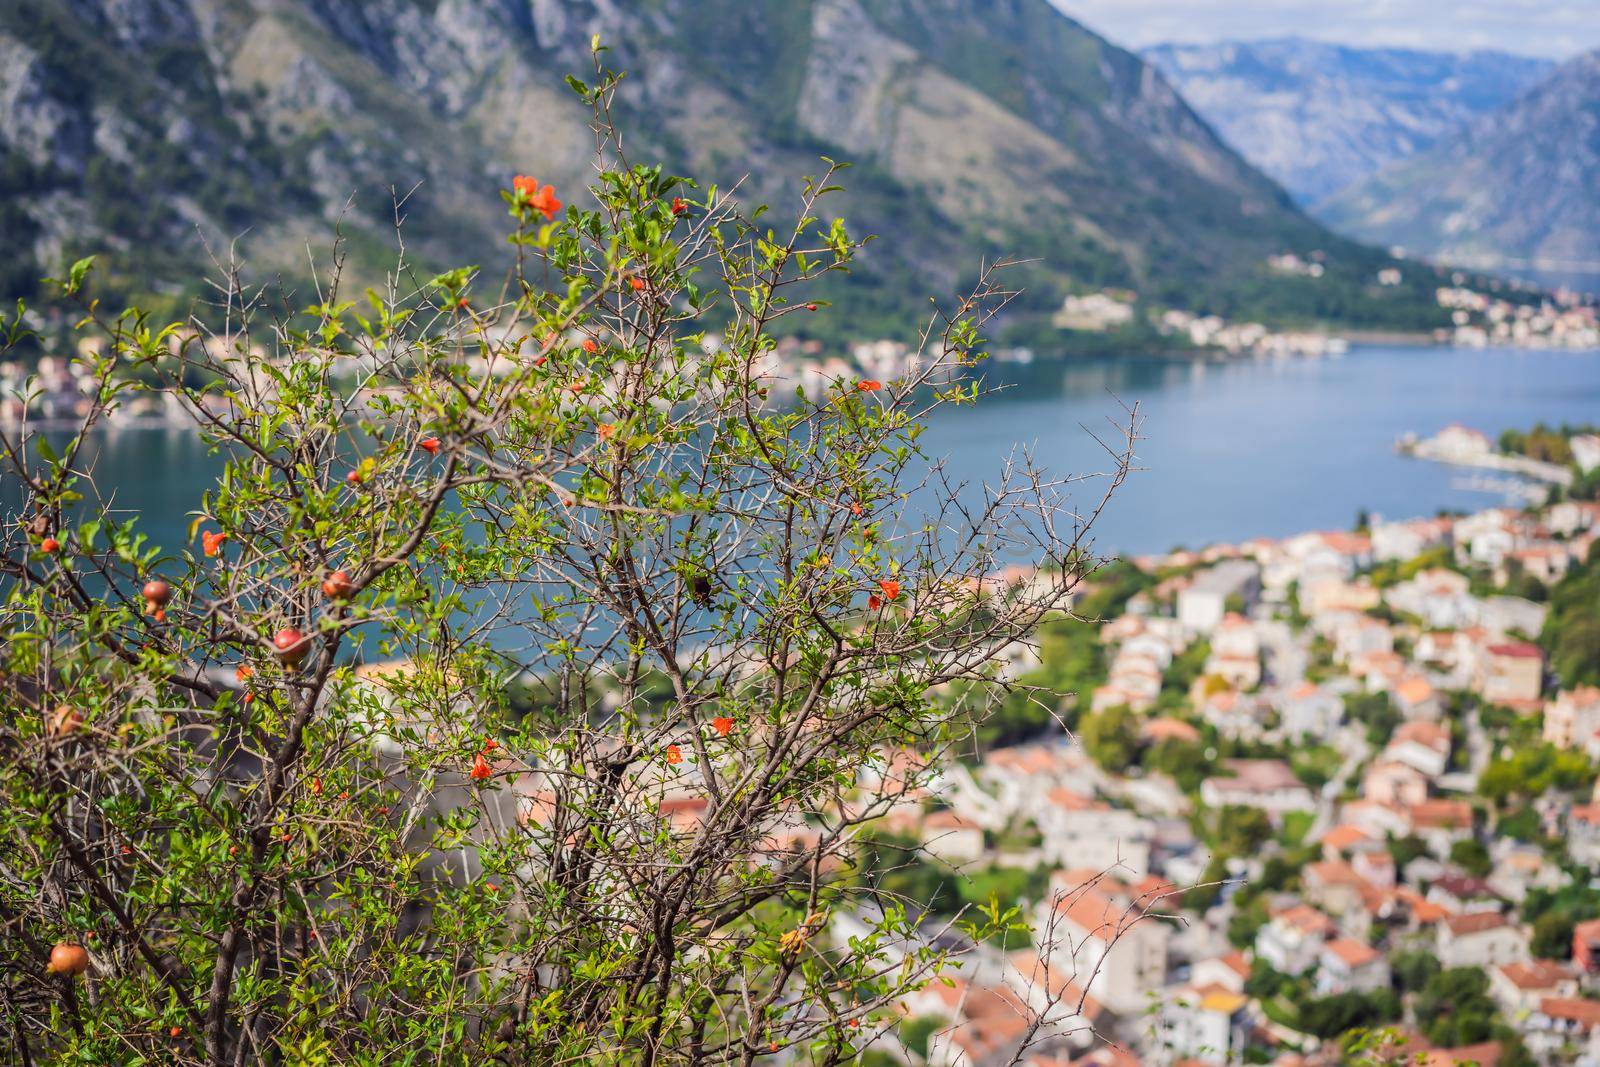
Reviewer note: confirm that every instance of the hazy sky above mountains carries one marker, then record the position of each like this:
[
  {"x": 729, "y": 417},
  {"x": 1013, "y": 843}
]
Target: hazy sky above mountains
[{"x": 1554, "y": 28}]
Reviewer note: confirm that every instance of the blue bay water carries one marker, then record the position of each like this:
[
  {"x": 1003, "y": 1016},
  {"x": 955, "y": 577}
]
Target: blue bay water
[
  {"x": 1230, "y": 450},
  {"x": 1264, "y": 448}
]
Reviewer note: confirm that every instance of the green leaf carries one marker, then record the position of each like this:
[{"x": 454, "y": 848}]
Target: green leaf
[{"x": 78, "y": 272}]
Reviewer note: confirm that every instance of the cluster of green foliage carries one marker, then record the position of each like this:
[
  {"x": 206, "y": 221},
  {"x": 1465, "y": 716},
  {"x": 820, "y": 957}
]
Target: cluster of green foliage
[
  {"x": 1530, "y": 771},
  {"x": 1472, "y": 856},
  {"x": 1454, "y": 1008},
  {"x": 1554, "y": 912},
  {"x": 1291, "y": 1001},
  {"x": 1376, "y": 712},
  {"x": 1111, "y": 737},
  {"x": 1185, "y": 762},
  {"x": 1547, "y": 444},
  {"x": 1571, "y": 634},
  {"x": 1390, "y": 571}
]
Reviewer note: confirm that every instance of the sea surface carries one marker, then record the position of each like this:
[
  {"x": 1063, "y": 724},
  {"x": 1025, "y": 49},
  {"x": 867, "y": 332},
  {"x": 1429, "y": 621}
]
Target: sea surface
[
  {"x": 1228, "y": 450},
  {"x": 1250, "y": 448}
]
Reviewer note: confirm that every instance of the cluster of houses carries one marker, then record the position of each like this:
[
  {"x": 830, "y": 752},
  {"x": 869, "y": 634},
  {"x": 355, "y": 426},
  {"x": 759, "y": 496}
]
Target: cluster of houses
[
  {"x": 1125, "y": 969},
  {"x": 1246, "y": 338},
  {"x": 1110, "y": 310},
  {"x": 1562, "y": 320}
]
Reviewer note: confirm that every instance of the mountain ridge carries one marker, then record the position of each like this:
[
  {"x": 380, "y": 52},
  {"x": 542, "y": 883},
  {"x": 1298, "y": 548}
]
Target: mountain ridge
[
  {"x": 1010, "y": 130},
  {"x": 1318, "y": 116},
  {"x": 1515, "y": 189}
]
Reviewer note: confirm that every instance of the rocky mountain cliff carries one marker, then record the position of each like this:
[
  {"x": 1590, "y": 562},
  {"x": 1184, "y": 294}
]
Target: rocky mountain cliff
[
  {"x": 169, "y": 131},
  {"x": 1520, "y": 188},
  {"x": 1319, "y": 116}
]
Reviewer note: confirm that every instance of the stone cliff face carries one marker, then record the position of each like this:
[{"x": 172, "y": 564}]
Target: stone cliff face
[
  {"x": 1319, "y": 116},
  {"x": 161, "y": 129},
  {"x": 1518, "y": 188}
]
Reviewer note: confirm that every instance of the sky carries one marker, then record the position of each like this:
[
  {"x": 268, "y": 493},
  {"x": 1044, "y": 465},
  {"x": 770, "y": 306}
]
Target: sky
[{"x": 1556, "y": 29}]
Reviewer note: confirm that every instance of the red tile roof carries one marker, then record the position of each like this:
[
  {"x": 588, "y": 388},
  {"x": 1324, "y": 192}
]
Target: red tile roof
[
  {"x": 1536, "y": 974},
  {"x": 1476, "y": 922},
  {"x": 1586, "y": 1013},
  {"x": 1352, "y": 952}
]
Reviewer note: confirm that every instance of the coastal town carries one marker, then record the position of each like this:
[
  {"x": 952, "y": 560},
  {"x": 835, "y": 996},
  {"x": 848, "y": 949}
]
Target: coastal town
[
  {"x": 1295, "y": 791},
  {"x": 1560, "y": 319},
  {"x": 55, "y": 387}
]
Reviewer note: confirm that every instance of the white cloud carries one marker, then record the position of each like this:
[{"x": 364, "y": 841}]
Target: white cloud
[{"x": 1532, "y": 27}]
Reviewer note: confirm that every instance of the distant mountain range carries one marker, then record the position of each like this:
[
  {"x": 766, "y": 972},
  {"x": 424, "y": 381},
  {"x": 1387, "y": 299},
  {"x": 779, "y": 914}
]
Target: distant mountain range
[
  {"x": 1318, "y": 116},
  {"x": 159, "y": 131},
  {"x": 1518, "y": 189}
]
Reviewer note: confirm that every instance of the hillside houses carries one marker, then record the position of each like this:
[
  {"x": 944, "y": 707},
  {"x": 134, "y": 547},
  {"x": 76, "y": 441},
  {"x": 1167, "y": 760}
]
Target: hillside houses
[
  {"x": 1301, "y": 738},
  {"x": 1572, "y": 719},
  {"x": 1264, "y": 784}
]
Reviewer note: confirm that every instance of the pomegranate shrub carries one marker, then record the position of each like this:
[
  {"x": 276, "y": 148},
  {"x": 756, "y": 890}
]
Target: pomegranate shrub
[{"x": 530, "y": 674}]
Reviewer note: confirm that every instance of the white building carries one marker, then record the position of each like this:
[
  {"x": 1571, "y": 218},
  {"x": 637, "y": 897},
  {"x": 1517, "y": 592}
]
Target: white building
[
  {"x": 1311, "y": 712},
  {"x": 1208, "y": 1023},
  {"x": 1480, "y": 939},
  {"x": 1257, "y": 783},
  {"x": 1292, "y": 940},
  {"x": 1572, "y": 719},
  {"x": 1346, "y": 965},
  {"x": 1203, "y": 604},
  {"x": 1585, "y": 451}
]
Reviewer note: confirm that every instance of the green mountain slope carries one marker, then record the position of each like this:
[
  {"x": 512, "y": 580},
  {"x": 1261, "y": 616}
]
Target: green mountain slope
[{"x": 167, "y": 130}]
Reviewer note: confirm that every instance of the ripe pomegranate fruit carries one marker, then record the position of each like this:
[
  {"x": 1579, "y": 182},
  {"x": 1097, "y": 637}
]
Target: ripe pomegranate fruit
[
  {"x": 68, "y": 960},
  {"x": 50, "y": 546},
  {"x": 156, "y": 593},
  {"x": 292, "y": 645},
  {"x": 338, "y": 586}
]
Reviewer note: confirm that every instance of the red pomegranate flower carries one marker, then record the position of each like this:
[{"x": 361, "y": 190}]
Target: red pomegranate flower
[
  {"x": 679, "y": 207},
  {"x": 636, "y": 282},
  {"x": 722, "y": 725},
  {"x": 540, "y": 198},
  {"x": 674, "y": 754},
  {"x": 430, "y": 445},
  {"x": 546, "y": 202},
  {"x": 869, "y": 385},
  {"x": 891, "y": 588},
  {"x": 590, "y": 345},
  {"x": 212, "y": 541},
  {"x": 49, "y": 546},
  {"x": 874, "y": 602},
  {"x": 480, "y": 768}
]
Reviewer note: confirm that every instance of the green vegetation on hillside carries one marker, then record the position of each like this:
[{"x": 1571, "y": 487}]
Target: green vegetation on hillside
[{"x": 1571, "y": 634}]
